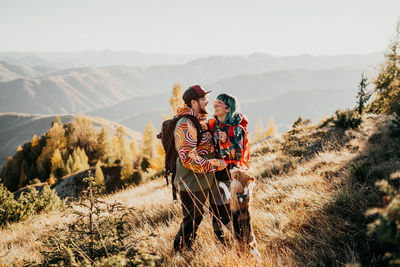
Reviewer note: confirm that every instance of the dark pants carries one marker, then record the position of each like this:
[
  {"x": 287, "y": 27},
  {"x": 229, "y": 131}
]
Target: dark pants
[
  {"x": 220, "y": 217},
  {"x": 219, "y": 205},
  {"x": 192, "y": 209}
]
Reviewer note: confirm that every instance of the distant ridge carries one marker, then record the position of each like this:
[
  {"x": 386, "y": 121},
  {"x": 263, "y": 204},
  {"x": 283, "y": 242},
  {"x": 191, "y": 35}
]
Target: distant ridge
[
  {"x": 282, "y": 94},
  {"x": 108, "y": 91}
]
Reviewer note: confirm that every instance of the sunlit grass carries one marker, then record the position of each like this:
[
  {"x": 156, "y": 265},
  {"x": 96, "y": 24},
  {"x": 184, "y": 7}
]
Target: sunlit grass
[{"x": 291, "y": 214}]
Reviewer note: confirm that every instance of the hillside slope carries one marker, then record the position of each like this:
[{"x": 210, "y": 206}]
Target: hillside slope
[{"x": 312, "y": 191}]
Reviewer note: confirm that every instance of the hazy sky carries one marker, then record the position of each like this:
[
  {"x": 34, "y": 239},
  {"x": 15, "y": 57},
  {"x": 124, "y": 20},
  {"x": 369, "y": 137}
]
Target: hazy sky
[{"x": 199, "y": 27}]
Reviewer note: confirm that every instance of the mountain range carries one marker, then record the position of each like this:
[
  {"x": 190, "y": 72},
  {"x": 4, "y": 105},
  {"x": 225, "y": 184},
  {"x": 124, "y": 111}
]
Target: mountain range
[
  {"x": 41, "y": 90},
  {"x": 265, "y": 85},
  {"x": 281, "y": 94}
]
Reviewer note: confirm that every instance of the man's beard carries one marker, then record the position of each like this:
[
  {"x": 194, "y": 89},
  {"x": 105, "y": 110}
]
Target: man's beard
[{"x": 203, "y": 111}]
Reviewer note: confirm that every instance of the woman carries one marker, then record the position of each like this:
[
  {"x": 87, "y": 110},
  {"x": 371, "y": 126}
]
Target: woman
[{"x": 228, "y": 128}]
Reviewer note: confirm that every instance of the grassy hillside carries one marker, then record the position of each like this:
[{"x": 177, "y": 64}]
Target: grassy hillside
[
  {"x": 12, "y": 71},
  {"x": 313, "y": 188}
]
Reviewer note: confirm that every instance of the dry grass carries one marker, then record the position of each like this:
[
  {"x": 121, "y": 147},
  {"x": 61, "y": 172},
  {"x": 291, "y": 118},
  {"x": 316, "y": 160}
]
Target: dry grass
[{"x": 296, "y": 216}]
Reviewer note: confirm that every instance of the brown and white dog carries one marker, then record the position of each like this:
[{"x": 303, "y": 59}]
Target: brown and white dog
[{"x": 239, "y": 196}]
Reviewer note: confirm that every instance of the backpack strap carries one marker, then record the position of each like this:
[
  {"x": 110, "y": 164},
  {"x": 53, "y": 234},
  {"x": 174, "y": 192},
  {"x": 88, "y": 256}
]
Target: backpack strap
[
  {"x": 231, "y": 131},
  {"x": 199, "y": 130},
  {"x": 197, "y": 124},
  {"x": 211, "y": 124},
  {"x": 246, "y": 148}
]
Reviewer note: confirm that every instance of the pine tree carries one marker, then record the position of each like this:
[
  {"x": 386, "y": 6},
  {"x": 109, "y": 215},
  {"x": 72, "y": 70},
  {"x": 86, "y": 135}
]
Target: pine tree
[
  {"x": 80, "y": 160},
  {"x": 103, "y": 145},
  {"x": 77, "y": 165},
  {"x": 176, "y": 100},
  {"x": 118, "y": 144},
  {"x": 69, "y": 165},
  {"x": 9, "y": 175},
  {"x": 126, "y": 170},
  {"x": 34, "y": 152},
  {"x": 363, "y": 95},
  {"x": 158, "y": 163},
  {"x": 387, "y": 83},
  {"x": 149, "y": 140},
  {"x": 272, "y": 130},
  {"x": 83, "y": 158},
  {"x": 57, "y": 120},
  {"x": 19, "y": 166},
  {"x": 55, "y": 139},
  {"x": 35, "y": 141},
  {"x": 22, "y": 174},
  {"x": 99, "y": 176},
  {"x": 258, "y": 132},
  {"x": 133, "y": 150},
  {"x": 115, "y": 153},
  {"x": 86, "y": 138},
  {"x": 57, "y": 164}
]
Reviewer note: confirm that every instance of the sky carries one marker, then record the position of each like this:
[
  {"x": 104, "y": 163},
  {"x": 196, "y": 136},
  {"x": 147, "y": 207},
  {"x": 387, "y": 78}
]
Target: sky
[{"x": 284, "y": 27}]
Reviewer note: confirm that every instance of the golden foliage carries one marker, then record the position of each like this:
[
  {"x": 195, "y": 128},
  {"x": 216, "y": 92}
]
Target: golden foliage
[
  {"x": 272, "y": 130},
  {"x": 51, "y": 180},
  {"x": 387, "y": 82},
  {"x": 149, "y": 138},
  {"x": 56, "y": 162},
  {"x": 158, "y": 162},
  {"x": 35, "y": 141},
  {"x": 118, "y": 145},
  {"x": 176, "y": 100},
  {"x": 133, "y": 150},
  {"x": 258, "y": 132}
]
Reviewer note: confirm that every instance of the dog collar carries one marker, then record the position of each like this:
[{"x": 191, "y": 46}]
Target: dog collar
[{"x": 241, "y": 196}]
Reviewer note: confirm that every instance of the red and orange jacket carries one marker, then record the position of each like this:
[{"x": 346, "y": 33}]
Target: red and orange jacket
[{"x": 236, "y": 148}]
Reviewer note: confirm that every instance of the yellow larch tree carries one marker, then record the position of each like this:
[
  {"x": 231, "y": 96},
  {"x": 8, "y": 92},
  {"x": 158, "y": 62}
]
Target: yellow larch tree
[
  {"x": 272, "y": 130},
  {"x": 176, "y": 100},
  {"x": 258, "y": 132},
  {"x": 149, "y": 140}
]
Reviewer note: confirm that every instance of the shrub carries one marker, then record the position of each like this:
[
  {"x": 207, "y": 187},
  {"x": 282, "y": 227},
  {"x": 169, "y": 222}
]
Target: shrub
[
  {"x": 145, "y": 164},
  {"x": 98, "y": 236},
  {"x": 360, "y": 171},
  {"x": 300, "y": 122},
  {"x": 387, "y": 82},
  {"x": 29, "y": 203},
  {"x": 394, "y": 129},
  {"x": 387, "y": 224},
  {"x": 304, "y": 142},
  {"x": 347, "y": 119}
]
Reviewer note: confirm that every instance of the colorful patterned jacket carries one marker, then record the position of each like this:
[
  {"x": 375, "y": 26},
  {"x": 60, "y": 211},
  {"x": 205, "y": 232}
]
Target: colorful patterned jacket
[
  {"x": 195, "y": 164},
  {"x": 234, "y": 148}
]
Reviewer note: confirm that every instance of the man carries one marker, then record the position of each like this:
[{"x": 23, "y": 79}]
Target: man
[{"x": 194, "y": 166}]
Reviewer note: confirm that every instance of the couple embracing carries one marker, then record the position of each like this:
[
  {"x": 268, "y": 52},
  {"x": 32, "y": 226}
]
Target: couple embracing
[{"x": 207, "y": 154}]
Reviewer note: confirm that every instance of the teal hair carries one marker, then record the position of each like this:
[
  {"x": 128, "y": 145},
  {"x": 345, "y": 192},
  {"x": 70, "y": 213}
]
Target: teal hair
[{"x": 231, "y": 102}]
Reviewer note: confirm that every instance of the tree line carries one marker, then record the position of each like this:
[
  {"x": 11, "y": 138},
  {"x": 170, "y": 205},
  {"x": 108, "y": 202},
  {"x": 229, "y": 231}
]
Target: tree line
[{"x": 76, "y": 146}]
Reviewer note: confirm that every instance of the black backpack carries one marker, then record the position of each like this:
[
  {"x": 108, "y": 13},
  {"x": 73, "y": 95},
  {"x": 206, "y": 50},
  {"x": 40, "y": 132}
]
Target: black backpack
[{"x": 168, "y": 141}]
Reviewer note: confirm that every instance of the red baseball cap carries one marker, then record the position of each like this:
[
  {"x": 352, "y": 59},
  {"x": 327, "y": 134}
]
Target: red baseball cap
[{"x": 193, "y": 92}]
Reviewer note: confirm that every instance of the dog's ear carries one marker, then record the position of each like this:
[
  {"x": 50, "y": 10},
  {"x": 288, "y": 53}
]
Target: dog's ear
[
  {"x": 234, "y": 171},
  {"x": 251, "y": 179}
]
